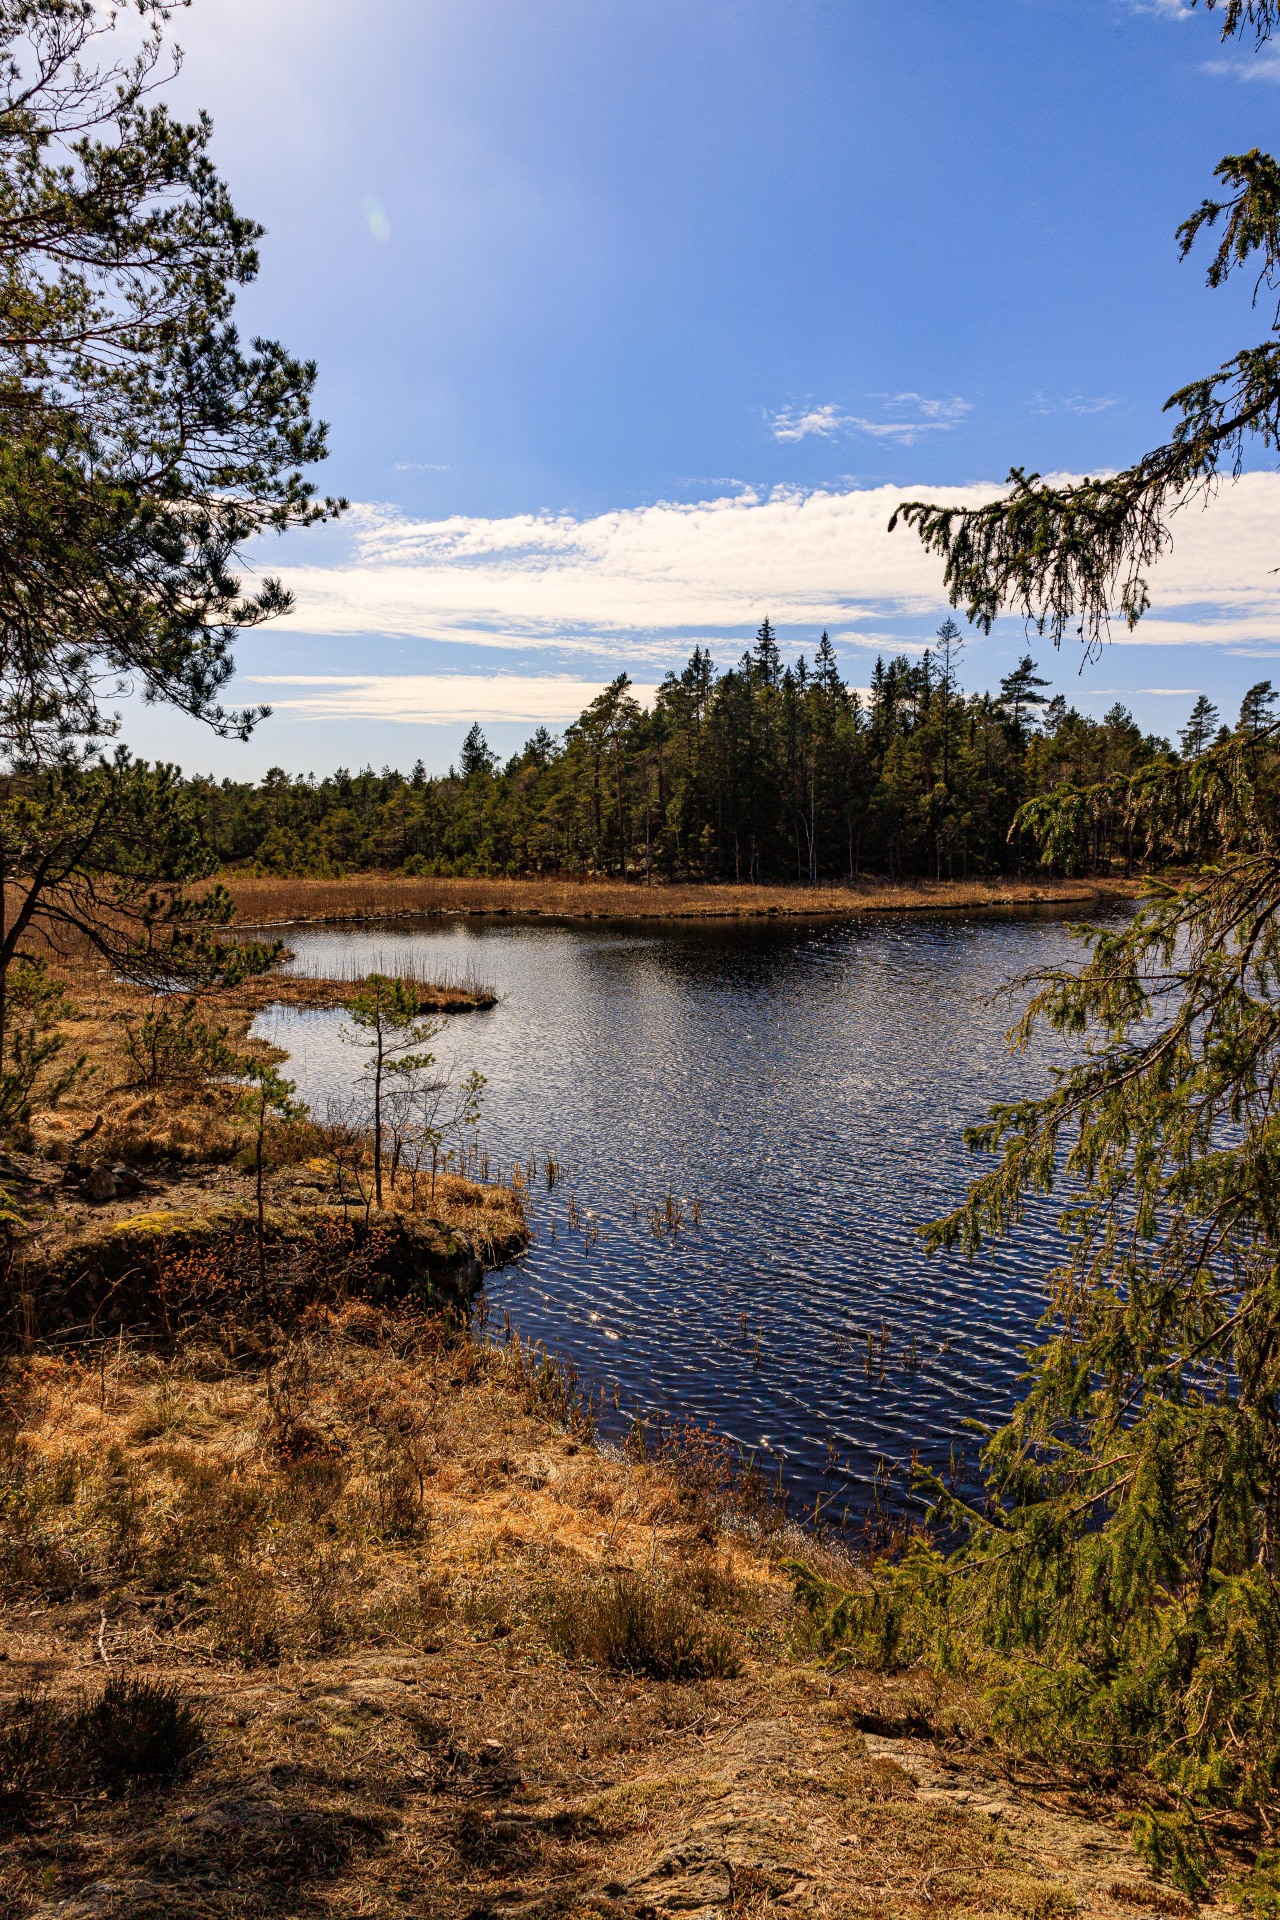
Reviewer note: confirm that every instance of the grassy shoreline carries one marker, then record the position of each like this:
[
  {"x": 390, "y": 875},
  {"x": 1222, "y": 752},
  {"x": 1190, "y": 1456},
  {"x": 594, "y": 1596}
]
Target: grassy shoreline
[
  {"x": 434, "y": 1648},
  {"x": 314, "y": 1602},
  {"x": 284, "y": 901}
]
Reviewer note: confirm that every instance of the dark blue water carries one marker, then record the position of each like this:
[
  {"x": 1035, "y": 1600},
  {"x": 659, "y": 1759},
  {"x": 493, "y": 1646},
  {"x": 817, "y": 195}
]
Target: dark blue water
[{"x": 809, "y": 1088}]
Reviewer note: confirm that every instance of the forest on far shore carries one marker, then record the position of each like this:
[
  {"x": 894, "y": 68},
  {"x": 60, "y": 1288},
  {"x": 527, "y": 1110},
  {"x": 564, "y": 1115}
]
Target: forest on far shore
[{"x": 766, "y": 772}]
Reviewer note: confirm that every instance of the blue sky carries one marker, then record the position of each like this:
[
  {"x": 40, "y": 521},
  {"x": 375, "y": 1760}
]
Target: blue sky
[{"x": 634, "y": 318}]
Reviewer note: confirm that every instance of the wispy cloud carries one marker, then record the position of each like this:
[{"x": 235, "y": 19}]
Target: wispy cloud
[
  {"x": 1071, "y": 403},
  {"x": 1260, "y": 66},
  {"x": 641, "y": 584},
  {"x": 910, "y": 415},
  {"x": 444, "y": 699},
  {"x": 421, "y": 466}
]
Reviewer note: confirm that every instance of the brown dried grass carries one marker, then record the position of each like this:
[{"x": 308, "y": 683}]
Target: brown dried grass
[
  {"x": 269, "y": 900},
  {"x": 341, "y": 1550}
]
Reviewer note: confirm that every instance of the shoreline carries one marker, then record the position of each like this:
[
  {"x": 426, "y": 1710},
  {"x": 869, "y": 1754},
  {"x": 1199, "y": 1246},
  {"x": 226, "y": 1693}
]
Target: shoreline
[
  {"x": 432, "y": 1644},
  {"x": 378, "y": 898}
]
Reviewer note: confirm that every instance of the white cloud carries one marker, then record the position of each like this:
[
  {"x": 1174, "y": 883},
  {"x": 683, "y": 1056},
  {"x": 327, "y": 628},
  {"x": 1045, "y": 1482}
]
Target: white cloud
[
  {"x": 443, "y": 698},
  {"x": 914, "y": 415},
  {"x": 791, "y": 425},
  {"x": 1261, "y": 66},
  {"x": 582, "y": 586},
  {"x": 1071, "y": 403},
  {"x": 638, "y": 586},
  {"x": 643, "y": 578}
]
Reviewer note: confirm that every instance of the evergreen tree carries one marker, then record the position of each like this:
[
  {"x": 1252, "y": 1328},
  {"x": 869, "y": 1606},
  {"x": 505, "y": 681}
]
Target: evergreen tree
[
  {"x": 1121, "y": 1581},
  {"x": 767, "y": 660},
  {"x": 727, "y": 777},
  {"x": 1020, "y": 690},
  {"x": 950, "y": 647},
  {"x": 141, "y": 446},
  {"x": 387, "y": 1012},
  {"x": 1202, "y": 724},
  {"x": 477, "y": 759},
  {"x": 1257, "y": 709}
]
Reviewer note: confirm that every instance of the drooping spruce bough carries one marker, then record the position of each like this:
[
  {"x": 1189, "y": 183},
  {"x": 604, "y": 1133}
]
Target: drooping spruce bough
[
  {"x": 1120, "y": 1587},
  {"x": 1071, "y": 557}
]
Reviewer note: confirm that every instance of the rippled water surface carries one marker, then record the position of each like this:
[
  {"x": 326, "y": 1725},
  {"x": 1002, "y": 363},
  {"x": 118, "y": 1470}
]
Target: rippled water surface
[{"x": 809, "y": 1088}]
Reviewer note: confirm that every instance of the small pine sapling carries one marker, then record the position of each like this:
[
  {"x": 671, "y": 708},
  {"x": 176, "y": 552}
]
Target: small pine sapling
[{"x": 386, "y": 1021}]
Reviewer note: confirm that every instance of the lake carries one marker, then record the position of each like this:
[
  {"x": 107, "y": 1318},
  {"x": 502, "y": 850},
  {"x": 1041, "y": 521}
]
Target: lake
[{"x": 808, "y": 1087}]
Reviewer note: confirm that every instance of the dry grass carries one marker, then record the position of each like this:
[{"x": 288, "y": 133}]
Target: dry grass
[
  {"x": 632, "y": 1622},
  {"x": 334, "y": 990},
  {"x": 339, "y": 1559},
  {"x": 266, "y": 900},
  {"x": 109, "y": 1114},
  {"x": 191, "y": 1146}
]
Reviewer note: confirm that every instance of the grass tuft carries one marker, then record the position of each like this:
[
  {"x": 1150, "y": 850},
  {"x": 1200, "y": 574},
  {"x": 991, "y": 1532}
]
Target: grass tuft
[
  {"x": 131, "y": 1730},
  {"x": 28, "y": 1751},
  {"x": 632, "y": 1623},
  {"x": 136, "y": 1727}
]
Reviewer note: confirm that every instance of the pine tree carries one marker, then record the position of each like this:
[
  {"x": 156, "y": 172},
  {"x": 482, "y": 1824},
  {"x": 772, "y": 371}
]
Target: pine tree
[
  {"x": 1019, "y": 690},
  {"x": 1201, "y": 726},
  {"x": 476, "y": 759},
  {"x": 141, "y": 446},
  {"x": 1257, "y": 709}
]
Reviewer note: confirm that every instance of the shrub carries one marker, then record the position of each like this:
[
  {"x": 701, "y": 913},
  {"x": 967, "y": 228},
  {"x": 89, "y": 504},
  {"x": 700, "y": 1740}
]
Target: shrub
[
  {"x": 245, "y": 1616},
  {"x": 136, "y": 1727},
  {"x": 132, "y": 1728},
  {"x": 633, "y": 1624},
  {"x": 28, "y": 1752}
]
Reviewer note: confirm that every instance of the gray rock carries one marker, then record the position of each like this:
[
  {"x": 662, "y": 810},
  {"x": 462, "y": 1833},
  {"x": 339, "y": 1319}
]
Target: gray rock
[{"x": 100, "y": 1185}]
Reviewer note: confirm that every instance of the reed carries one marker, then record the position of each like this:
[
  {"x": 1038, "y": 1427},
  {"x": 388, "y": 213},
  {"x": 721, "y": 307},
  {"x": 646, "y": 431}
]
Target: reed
[
  {"x": 264, "y": 900},
  {"x": 398, "y": 963}
]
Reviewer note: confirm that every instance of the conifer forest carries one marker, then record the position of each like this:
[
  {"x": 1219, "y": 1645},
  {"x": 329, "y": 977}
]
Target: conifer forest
[{"x": 765, "y": 772}]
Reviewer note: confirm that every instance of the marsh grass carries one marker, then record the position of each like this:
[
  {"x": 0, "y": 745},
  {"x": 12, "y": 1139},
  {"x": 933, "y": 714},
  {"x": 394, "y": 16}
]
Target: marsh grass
[
  {"x": 286, "y": 900},
  {"x": 718, "y": 1479}
]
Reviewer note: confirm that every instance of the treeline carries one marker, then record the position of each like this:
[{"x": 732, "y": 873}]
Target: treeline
[{"x": 766, "y": 772}]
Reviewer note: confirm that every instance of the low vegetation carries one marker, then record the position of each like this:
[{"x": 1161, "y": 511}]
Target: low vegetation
[
  {"x": 351, "y": 1617},
  {"x": 284, "y": 900},
  {"x": 633, "y": 1623}
]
